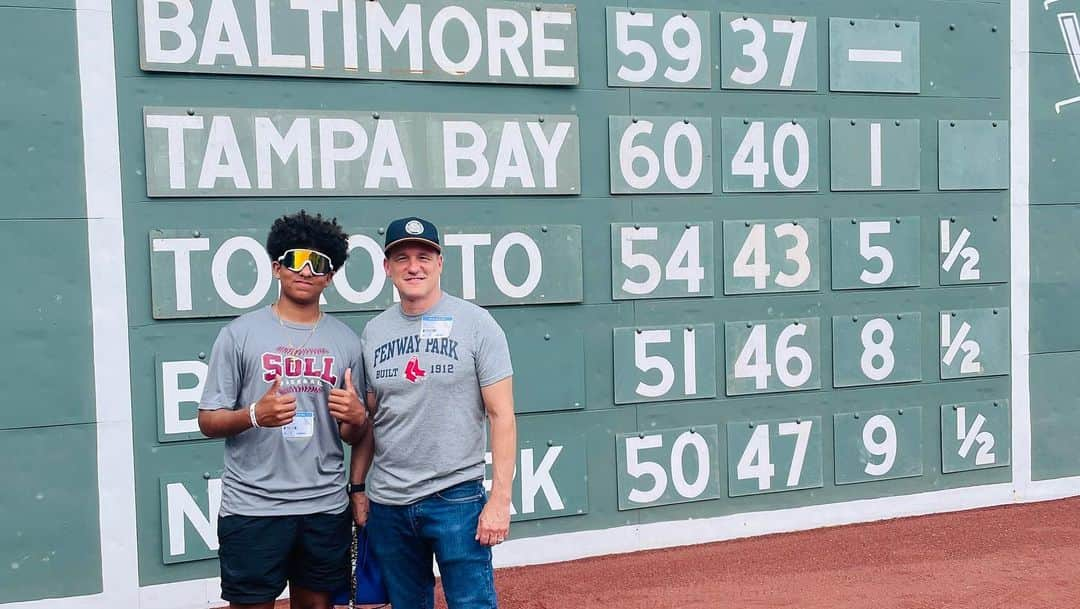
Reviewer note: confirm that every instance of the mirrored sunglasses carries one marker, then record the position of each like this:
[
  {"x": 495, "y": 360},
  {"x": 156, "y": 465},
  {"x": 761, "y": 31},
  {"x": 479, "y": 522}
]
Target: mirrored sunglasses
[{"x": 295, "y": 259}]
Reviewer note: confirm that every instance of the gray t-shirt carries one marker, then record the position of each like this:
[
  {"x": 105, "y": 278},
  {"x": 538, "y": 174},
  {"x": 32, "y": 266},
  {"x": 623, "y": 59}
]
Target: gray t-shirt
[
  {"x": 426, "y": 371},
  {"x": 298, "y": 469}
]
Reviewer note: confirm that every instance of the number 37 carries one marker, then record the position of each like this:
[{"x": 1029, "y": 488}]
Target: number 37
[{"x": 748, "y": 58}]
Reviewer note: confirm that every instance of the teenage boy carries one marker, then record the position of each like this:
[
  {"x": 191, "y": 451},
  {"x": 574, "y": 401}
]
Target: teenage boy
[
  {"x": 283, "y": 389},
  {"x": 437, "y": 367}
]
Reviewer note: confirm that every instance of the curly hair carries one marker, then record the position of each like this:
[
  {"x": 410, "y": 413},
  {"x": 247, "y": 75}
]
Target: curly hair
[{"x": 302, "y": 230}]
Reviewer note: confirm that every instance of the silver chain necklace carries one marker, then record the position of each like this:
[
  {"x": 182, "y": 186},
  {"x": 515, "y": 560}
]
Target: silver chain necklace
[{"x": 281, "y": 323}]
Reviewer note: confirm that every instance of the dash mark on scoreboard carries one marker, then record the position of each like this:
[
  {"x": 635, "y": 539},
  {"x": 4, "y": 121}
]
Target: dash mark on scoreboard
[{"x": 875, "y": 56}]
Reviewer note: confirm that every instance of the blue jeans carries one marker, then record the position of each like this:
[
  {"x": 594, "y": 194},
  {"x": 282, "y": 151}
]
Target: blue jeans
[{"x": 405, "y": 538}]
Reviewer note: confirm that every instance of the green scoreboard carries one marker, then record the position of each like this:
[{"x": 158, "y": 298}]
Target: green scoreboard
[{"x": 749, "y": 255}]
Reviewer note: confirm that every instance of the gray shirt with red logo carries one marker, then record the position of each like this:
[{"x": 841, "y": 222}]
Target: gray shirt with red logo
[
  {"x": 297, "y": 469},
  {"x": 426, "y": 371}
]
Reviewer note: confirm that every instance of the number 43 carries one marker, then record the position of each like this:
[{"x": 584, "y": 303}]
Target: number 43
[{"x": 752, "y": 261}]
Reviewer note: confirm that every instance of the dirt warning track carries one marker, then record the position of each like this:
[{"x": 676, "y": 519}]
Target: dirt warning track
[
  {"x": 1010, "y": 557},
  {"x": 1013, "y": 557}
]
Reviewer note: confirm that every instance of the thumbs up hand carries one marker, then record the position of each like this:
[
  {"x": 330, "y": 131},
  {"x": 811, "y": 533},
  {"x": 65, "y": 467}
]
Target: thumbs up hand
[
  {"x": 345, "y": 405},
  {"x": 275, "y": 409}
]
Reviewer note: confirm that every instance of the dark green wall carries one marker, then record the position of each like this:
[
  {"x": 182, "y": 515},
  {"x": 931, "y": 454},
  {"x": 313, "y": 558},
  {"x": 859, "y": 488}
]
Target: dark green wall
[
  {"x": 1054, "y": 224},
  {"x": 49, "y": 542},
  {"x": 964, "y": 76}
]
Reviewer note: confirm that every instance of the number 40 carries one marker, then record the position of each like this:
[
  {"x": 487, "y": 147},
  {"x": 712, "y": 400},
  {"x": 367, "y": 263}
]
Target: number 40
[{"x": 749, "y": 159}]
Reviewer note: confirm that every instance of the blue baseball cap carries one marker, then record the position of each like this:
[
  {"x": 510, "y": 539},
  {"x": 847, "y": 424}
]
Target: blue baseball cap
[{"x": 412, "y": 229}]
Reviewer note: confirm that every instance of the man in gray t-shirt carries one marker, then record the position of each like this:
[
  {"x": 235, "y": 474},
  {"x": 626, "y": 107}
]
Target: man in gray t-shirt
[
  {"x": 437, "y": 367},
  {"x": 283, "y": 388}
]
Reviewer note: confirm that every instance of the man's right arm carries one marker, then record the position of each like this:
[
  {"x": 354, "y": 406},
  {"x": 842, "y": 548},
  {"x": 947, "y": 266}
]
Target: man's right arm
[{"x": 362, "y": 454}]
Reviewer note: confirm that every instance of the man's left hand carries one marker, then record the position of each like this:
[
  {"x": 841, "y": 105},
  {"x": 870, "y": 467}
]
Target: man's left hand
[
  {"x": 345, "y": 404},
  {"x": 494, "y": 524}
]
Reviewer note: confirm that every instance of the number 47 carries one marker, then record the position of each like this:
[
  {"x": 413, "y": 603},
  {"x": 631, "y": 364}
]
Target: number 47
[{"x": 757, "y": 463}]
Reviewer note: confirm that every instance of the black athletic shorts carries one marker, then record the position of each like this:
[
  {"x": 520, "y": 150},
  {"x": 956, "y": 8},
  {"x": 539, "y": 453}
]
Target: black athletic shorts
[{"x": 258, "y": 554}]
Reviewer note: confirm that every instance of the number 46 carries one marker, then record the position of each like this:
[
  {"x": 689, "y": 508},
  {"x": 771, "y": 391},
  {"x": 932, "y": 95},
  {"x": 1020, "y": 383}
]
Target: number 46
[{"x": 753, "y": 361}]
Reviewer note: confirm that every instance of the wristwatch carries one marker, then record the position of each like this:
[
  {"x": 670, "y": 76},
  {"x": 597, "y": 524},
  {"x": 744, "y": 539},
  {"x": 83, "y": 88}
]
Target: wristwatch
[{"x": 355, "y": 487}]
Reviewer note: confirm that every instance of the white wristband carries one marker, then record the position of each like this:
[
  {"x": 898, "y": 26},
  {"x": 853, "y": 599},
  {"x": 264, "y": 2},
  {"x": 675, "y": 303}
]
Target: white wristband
[{"x": 251, "y": 414}]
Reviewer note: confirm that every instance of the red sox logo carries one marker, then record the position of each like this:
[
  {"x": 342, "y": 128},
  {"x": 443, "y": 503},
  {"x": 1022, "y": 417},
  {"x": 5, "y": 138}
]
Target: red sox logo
[{"x": 413, "y": 372}]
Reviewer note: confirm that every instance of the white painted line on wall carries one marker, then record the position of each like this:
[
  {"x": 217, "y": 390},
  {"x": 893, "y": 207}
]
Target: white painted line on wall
[
  {"x": 1054, "y": 489},
  {"x": 182, "y": 595},
  {"x": 1019, "y": 245},
  {"x": 198, "y": 593},
  {"x": 875, "y": 56},
  {"x": 108, "y": 292},
  {"x": 109, "y": 321}
]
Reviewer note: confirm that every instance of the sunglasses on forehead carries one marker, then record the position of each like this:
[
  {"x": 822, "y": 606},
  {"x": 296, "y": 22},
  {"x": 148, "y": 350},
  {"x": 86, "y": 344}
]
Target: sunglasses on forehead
[{"x": 295, "y": 259}]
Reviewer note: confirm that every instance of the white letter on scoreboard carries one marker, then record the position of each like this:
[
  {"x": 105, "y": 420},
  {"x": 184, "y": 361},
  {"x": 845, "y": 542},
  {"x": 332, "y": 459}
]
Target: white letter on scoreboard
[
  {"x": 316, "y": 40},
  {"x": 154, "y": 25},
  {"x": 174, "y": 128},
  {"x": 379, "y": 26},
  {"x": 541, "y": 44},
  {"x": 498, "y": 265},
  {"x": 296, "y": 140},
  {"x": 387, "y": 159},
  {"x": 222, "y": 19},
  {"x": 512, "y": 160},
  {"x": 468, "y": 244},
  {"x": 172, "y": 395},
  {"x": 219, "y": 272},
  {"x": 181, "y": 249},
  {"x": 474, "y": 153},
  {"x": 181, "y": 506},
  {"x": 437, "y": 34},
  {"x": 222, "y": 141},
  {"x": 378, "y": 277},
  {"x": 264, "y": 40},
  {"x": 538, "y": 479},
  {"x": 549, "y": 150},
  {"x": 329, "y": 154},
  {"x": 510, "y": 45}
]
